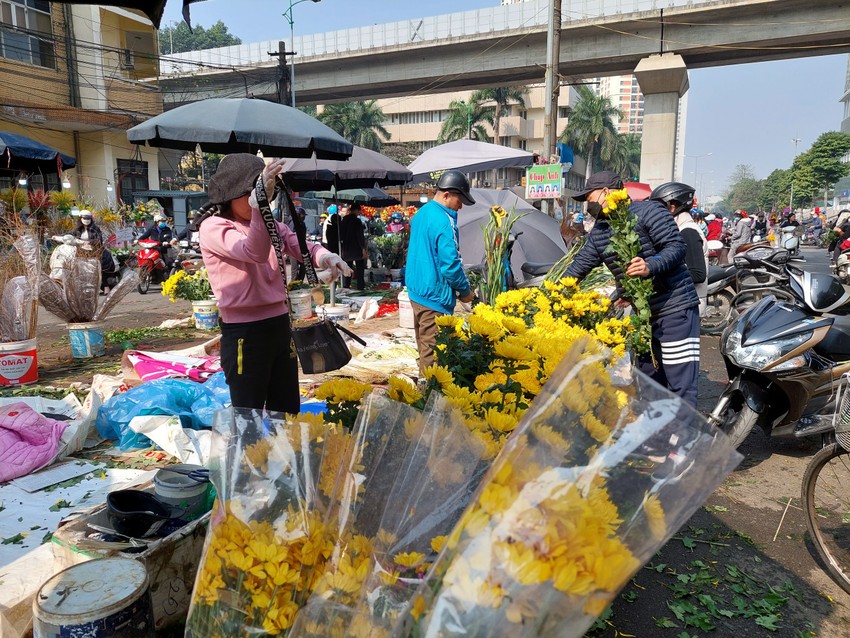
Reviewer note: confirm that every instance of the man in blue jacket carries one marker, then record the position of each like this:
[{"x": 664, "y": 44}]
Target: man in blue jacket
[
  {"x": 674, "y": 303},
  {"x": 434, "y": 272}
]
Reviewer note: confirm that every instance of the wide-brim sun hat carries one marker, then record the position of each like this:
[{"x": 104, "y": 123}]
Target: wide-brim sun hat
[{"x": 236, "y": 176}]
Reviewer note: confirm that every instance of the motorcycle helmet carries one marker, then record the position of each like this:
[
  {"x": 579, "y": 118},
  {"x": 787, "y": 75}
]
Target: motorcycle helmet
[
  {"x": 159, "y": 217},
  {"x": 456, "y": 182},
  {"x": 396, "y": 217},
  {"x": 675, "y": 193}
]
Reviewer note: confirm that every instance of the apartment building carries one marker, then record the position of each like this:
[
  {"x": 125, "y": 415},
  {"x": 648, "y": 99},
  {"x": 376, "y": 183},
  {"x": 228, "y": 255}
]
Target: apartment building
[
  {"x": 70, "y": 77},
  {"x": 418, "y": 120}
]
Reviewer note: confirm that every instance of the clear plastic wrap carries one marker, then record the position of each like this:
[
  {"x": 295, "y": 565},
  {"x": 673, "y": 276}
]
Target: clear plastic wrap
[
  {"x": 129, "y": 281},
  {"x": 597, "y": 476},
  {"x": 82, "y": 287},
  {"x": 16, "y": 306},
  {"x": 51, "y": 295},
  {"x": 267, "y": 539},
  {"x": 28, "y": 248}
]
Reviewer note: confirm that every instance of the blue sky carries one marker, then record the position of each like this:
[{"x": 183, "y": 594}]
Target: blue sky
[{"x": 744, "y": 114}]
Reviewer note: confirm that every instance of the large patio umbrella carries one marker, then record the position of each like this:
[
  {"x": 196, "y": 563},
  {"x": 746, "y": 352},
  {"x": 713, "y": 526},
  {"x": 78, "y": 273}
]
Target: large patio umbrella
[
  {"x": 540, "y": 240},
  {"x": 153, "y": 9},
  {"x": 364, "y": 169},
  {"x": 20, "y": 153},
  {"x": 242, "y": 125},
  {"x": 469, "y": 156},
  {"x": 371, "y": 196}
]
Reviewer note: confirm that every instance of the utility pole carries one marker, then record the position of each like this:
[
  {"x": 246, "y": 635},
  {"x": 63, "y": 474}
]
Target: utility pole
[
  {"x": 796, "y": 141},
  {"x": 284, "y": 79},
  {"x": 553, "y": 87}
]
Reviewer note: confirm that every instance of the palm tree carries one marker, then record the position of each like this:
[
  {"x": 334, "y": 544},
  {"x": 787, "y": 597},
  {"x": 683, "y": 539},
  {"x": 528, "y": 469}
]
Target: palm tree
[
  {"x": 504, "y": 97},
  {"x": 590, "y": 129},
  {"x": 624, "y": 157},
  {"x": 361, "y": 123},
  {"x": 466, "y": 119}
]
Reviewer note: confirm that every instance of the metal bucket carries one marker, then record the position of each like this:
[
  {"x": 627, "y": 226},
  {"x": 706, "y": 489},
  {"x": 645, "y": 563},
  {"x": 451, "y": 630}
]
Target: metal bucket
[{"x": 106, "y": 598}]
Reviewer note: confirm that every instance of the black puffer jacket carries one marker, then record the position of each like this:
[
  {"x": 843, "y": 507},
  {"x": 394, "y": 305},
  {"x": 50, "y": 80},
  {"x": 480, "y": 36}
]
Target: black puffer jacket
[{"x": 661, "y": 246}]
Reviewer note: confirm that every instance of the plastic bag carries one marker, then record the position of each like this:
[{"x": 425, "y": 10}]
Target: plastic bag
[
  {"x": 595, "y": 479},
  {"x": 192, "y": 402},
  {"x": 52, "y": 296},
  {"x": 82, "y": 287},
  {"x": 129, "y": 281},
  {"x": 16, "y": 310}
]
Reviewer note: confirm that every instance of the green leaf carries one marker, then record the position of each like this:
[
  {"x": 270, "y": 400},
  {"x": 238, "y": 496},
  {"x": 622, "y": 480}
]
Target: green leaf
[
  {"x": 665, "y": 623},
  {"x": 768, "y": 622},
  {"x": 60, "y": 504},
  {"x": 17, "y": 539},
  {"x": 688, "y": 542}
]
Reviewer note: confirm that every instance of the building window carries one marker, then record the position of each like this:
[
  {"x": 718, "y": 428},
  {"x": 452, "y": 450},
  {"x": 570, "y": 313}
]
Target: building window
[
  {"x": 26, "y": 32},
  {"x": 563, "y": 112},
  {"x": 132, "y": 177},
  {"x": 523, "y": 144}
]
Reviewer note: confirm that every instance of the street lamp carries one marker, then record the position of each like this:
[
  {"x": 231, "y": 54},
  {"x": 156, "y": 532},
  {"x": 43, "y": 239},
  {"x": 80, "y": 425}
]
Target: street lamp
[
  {"x": 288, "y": 15},
  {"x": 696, "y": 163}
]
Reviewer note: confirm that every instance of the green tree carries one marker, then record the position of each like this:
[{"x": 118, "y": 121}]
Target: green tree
[
  {"x": 504, "y": 97},
  {"x": 466, "y": 119},
  {"x": 179, "y": 38},
  {"x": 816, "y": 170},
  {"x": 624, "y": 156},
  {"x": 361, "y": 123},
  {"x": 590, "y": 129},
  {"x": 402, "y": 152},
  {"x": 745, "y": 190},
  {"x": 776, "y": 190}
]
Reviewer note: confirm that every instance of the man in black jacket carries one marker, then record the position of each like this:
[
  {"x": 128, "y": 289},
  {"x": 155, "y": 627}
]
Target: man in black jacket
[{"x": 674, "y": 303}]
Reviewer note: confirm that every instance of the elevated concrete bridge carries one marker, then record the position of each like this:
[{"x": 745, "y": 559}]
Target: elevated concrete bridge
[{"x": 507, "y": 45}]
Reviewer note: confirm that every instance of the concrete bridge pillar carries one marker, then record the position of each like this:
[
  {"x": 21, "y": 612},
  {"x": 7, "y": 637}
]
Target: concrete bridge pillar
[{"x": 663, "y": 79}]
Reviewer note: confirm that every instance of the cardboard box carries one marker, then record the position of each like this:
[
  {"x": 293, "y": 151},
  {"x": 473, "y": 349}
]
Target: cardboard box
[{"x": 172, "y": 562}]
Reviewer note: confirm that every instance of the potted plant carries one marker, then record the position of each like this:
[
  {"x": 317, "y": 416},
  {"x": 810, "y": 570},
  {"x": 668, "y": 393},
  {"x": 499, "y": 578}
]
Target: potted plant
[{"x": 197, "y": 289}]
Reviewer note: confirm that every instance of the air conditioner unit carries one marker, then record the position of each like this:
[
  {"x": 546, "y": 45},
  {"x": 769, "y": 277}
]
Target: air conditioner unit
[
  {"x": 486, "y": 184},
  {"x": 127, "y": 61}
]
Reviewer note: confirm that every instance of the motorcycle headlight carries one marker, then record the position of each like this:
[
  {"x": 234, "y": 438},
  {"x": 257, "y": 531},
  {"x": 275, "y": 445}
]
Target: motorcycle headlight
[{"x": 758, "y": 356}]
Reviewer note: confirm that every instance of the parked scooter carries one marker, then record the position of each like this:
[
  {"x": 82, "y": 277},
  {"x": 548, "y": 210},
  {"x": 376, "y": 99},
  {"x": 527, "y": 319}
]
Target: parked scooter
[
  {"x": 785, "y": 361},
  {"x": 842, "y": 267},
  {"x": 722, "y": 285},
  {"x": 151, "y": 265}
]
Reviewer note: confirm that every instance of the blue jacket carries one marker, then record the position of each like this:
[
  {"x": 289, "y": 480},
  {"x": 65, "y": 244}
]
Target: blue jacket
[
  {"x": 434, "y": 270},
  {"x": 661, "y": 246}
]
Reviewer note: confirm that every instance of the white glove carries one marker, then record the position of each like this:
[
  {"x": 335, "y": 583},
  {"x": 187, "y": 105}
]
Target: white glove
[{"x": 333, "y": 267}]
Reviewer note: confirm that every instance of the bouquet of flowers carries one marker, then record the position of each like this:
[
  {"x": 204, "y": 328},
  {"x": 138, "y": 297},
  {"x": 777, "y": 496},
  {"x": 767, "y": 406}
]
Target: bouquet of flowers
[
  {"x": 497, "y": 234},
  {"x": 194, "y": 287},
  {"x": 267, "y": 543},
  {"x": 598, "y": 475}
]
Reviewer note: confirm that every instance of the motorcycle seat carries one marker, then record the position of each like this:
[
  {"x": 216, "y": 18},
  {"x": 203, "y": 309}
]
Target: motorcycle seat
[
  {"x": 716, "y": 273},
  {"x": 836, "y": 344},
  {"x": 536, "y": 269}
]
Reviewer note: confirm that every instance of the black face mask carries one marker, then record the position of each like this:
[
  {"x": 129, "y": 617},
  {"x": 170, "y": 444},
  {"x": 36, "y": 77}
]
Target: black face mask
[{"x": 594, "y": 209}]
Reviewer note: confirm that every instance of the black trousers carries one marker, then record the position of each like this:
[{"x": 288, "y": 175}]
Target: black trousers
[
  {"x": 261, "y": 365},
  {"x": 359, "y": 268}
]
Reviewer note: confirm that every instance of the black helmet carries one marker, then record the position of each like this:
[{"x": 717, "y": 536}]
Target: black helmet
[
  {"x": 456, "y": 182},
  {"x": 677, "y": 192}
]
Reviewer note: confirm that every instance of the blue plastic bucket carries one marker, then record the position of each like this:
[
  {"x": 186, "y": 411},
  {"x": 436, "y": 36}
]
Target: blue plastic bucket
[
  {"x": 205, "y": 314},
  {"x": 86, "y": 340}
]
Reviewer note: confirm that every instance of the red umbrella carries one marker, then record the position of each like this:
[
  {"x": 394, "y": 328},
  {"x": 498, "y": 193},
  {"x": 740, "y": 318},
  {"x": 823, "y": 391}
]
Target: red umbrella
[{"x": 638, "y": 191}]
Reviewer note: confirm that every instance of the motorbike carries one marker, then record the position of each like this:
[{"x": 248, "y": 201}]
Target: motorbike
[
  {"x": 722, "y": 285},
  {"x": 842, "y": 266},
  {"x": 785, "y": 361},
  {"x": 151, "y": 266},
  {"x": 790, "y": 241},
  {"x": 189, "y": 256}
]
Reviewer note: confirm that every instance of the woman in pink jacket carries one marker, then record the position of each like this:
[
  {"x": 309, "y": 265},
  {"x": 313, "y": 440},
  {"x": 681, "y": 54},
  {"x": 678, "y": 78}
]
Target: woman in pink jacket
[{"x": 257, "y": 353}]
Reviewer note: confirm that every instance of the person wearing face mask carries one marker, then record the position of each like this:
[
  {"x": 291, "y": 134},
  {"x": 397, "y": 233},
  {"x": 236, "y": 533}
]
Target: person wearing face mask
[
  {"x": 88, "y": 230},
  {"x": 674, "y": 304},
  {"x": 435, "y": 278},
  {"x": 257, "y": 353},
  {"x": 161, "y": 232},
  {"x": 91, "y": 238}
]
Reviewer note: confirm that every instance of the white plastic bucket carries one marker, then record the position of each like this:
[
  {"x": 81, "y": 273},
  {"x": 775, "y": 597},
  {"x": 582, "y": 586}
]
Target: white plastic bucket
[
  {"x": 87, "y": 340},
  {"x": 18, "y": 362},
  {"x": 184, "y": 494},
  {"x": 105, "y": 598},
  {"x": 302, "y": 304},
  {"x": 205, "y": 314},
  {"x": 405, "y": 310},
  {"x": 339, "y": 313}
]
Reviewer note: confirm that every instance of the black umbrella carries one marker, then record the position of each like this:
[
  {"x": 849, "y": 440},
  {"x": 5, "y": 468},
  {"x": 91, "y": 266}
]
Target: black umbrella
[
  {"x": 371, "y": 196},
  {"x": 364, "y": 169},
  {"x": 242, "y": 125},
  {"x": 21, "y": 153}
]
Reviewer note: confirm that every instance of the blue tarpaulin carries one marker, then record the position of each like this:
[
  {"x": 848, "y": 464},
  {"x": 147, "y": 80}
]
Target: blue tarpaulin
[{"x": 22, "y": 153}]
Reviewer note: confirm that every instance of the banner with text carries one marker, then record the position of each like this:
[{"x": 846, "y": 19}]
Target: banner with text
[{"x": 544, "y": 181}]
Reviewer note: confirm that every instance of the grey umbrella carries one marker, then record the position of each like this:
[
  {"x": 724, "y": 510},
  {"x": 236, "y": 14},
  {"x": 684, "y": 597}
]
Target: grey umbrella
[
  {"x": 468, "y": 156},
  {"x": 242, "y": 125},
  {"x": 364, "y": 169},
  {"x": 540, "y": 240}
]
